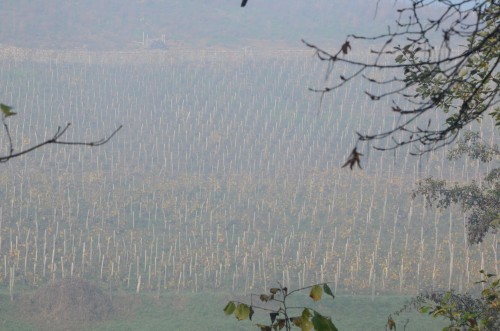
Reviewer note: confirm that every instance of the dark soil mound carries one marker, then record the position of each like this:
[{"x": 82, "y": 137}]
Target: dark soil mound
[{"x": 75, "y": 302}]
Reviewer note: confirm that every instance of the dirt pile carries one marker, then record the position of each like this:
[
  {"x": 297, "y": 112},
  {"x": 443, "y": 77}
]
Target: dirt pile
[{"x": 68, "y": 302}]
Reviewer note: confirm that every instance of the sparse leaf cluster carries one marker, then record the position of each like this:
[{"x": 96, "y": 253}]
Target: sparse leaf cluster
[
  {"x": 445, "y": 57},
  {"x": 285, "y": 317},
  {"x": 475, "y": 148},
  {"x": 464, "y": 311},
  {"x": 480, "y": 200}
]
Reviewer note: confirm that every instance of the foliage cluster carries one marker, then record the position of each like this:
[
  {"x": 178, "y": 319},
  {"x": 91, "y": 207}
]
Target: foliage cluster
[
  {"x": 464, "y": 84},
  {"x": 480, "y": 200},
  {"x": 462, "y": 311},
  {"x": 285, "y": 316},
  {"x": 446, "y": 61}
]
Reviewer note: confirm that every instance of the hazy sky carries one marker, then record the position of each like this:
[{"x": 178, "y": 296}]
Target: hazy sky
[{"x": 117, "y": 24}]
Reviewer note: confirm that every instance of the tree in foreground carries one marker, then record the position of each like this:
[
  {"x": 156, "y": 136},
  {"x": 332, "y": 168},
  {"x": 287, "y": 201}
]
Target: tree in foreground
[
  {"x": 55, "y": 139},
  {"x": 439, "y": 61},
  {"x": 480, "y": 203},
  {"x": 441, "y": 56}
]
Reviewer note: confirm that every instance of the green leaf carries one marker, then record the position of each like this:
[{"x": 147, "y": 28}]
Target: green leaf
[
  {"x": 399, "y": 58},
  {"x": 463, "y": 72},
  {"x": 306, "y": 325},
  {"x": 316, "y": 292},
  {"x": 274, "y": 290},
  {"x": 6, "y": 110},
  {"x": 230, "y": 307},
  {"x": 322, "y": 323},
  {"x": 264, "y": 298},
  {"x": 242, "y": 312},
  {"x": 303, "y": 321},
  {"x": 328, "y": 291},
  {"x": 306, "y": 314},
  {"x": 424, "y": 309}
]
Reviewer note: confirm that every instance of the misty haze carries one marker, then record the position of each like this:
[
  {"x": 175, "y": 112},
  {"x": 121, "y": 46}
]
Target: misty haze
[{"x": 226, "y": 179}]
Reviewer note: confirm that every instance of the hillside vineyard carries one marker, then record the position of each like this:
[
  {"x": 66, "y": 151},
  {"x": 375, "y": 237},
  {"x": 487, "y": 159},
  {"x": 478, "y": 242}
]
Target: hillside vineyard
[{"x": 225, "y": 176}]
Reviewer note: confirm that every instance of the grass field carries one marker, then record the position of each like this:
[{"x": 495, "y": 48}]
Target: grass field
[{"x": 204, "y": 311}]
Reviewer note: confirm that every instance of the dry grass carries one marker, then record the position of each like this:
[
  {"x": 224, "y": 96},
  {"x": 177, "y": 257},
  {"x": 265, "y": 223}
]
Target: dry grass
[{"x": 68, "y": 304}]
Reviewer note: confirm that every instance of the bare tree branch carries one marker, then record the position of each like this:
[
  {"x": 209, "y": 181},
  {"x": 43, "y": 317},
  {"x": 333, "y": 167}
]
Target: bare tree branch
[
  {"x": 444, "y": 56},
  {"x": 54, "y": 140}
]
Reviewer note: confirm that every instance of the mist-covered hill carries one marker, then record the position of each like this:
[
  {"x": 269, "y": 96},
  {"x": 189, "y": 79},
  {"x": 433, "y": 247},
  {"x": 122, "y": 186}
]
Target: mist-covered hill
[{"x": 122, "y": 24}]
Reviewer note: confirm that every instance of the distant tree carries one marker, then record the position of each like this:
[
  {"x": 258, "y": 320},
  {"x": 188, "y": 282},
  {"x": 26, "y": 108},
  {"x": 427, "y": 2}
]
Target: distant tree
[
  {"x": 55, "y": 139},
  {"x": 462, "y": 311},
  {"x": 479, "y": 200}
]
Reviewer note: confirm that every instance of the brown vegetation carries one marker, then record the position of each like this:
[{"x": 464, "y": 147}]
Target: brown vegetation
[{"x": 67, "y": 303}]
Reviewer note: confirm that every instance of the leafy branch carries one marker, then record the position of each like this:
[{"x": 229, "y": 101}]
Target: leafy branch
[
  {"x": 480, "y": 201},
  {"x": 447, "y": 63},
  {"x": 462, "y": 311},
  {"x": 280, "y": 317}
]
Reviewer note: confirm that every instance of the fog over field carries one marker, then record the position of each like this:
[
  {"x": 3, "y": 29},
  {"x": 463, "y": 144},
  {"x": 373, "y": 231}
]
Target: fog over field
[
  {"x": 226, "y": 175},
  {"x": 119, "y": 24}
]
